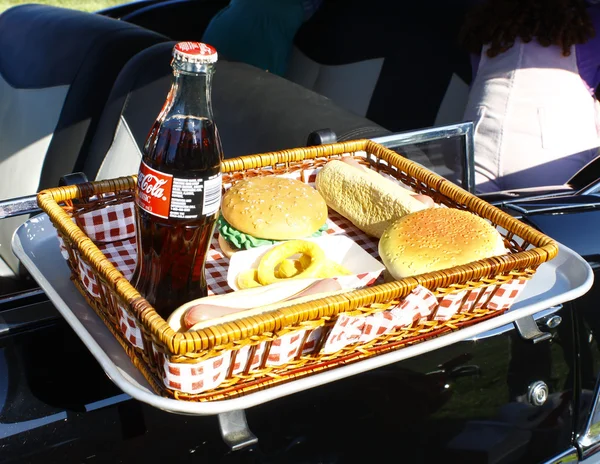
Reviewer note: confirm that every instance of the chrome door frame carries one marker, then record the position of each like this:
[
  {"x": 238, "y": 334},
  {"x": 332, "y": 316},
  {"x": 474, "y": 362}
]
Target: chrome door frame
[{"x": 463, "y": 129}]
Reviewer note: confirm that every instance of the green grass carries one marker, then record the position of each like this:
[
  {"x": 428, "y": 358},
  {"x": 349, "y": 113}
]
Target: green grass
[{"x": 84, "y": 5}]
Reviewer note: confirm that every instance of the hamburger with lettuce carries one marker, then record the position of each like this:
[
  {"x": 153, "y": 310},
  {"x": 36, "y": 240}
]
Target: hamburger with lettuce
[{"x": 266, "y": 210}]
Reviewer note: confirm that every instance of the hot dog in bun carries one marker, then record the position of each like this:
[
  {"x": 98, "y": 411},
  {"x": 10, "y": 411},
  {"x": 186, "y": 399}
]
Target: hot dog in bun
[{"x": 216, "y": 309}]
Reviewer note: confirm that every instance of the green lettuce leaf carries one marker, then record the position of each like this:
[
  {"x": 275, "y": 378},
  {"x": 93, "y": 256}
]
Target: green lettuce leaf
[{"x": 245, "y": 241}]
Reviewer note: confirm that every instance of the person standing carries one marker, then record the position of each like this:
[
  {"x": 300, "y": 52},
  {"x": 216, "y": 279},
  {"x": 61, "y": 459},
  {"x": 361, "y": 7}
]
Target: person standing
[{"x": 536, "y": 67}]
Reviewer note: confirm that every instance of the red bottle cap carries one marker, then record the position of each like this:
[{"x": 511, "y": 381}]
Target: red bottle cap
[{"x": 195, "y": 52}]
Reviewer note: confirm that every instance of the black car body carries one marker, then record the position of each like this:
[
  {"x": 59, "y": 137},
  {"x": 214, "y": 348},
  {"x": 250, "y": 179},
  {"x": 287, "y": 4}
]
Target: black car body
[{"x": 476, "y": 401}]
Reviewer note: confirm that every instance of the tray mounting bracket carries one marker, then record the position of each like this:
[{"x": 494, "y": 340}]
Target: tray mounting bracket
[
  {"x": 235, "y": 430},
  {"x": 529, "y": 330}
]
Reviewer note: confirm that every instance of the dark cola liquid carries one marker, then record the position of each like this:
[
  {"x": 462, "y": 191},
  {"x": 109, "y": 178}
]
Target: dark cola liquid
[{"x": 172, "y": 252}]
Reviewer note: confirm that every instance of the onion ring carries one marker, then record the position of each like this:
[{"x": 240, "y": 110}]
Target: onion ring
[
  {"x": 247, "y": 279},
  {"x": 273, "y": 257},
  {"x": 289, "y": 268}
]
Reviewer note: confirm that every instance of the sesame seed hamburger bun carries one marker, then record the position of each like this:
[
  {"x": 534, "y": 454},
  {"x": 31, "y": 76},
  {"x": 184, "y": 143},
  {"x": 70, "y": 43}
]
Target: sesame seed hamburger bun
[
  {"x": 435, "y": 239},
  {"x": 263, "y": 210}
]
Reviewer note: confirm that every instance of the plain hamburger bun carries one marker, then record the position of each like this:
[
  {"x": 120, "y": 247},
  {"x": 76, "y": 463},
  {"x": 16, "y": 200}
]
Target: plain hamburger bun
[
  {"x": 274, "y": 208},
  {"x": 369, "y": 200},
  {"x": 435, "y": 239}
]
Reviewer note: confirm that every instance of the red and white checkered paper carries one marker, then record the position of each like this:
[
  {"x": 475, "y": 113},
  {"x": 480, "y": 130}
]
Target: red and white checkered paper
[
  {"x": 63, "y": 248},
  {"x": 415, "y": 307},
  {"x": 506, "y": 294},
  {"x": 450, "y": 304},
  {"x": 376, "y": 325},
  {"x": 418, "y": 306},
  {"x": 130, "y": 329},
  {"x": 285, "y": 348},
  {"x": 347, "y": 330},
  {"x": 240, "y": 363},
  {"x": 111, "y": 224},
  {"x": 121, "y": 254},
  {"x": 196, "y": 377}
]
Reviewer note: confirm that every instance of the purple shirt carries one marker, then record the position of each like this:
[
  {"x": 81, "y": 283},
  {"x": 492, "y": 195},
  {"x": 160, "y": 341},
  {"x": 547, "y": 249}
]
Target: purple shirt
[{"x": 588, "y": 54}]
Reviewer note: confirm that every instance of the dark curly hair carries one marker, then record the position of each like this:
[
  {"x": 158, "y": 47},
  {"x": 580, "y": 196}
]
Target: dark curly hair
[{"x": 551, "y": 22}]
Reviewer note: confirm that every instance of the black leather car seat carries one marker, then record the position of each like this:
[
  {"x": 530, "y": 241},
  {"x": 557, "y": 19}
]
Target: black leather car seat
[
  {"x": 57, "y": 67},
  {"x": 255, "y": 111},
  {"x": 395, "y": 63},
  {"x": 177, "y": 19}
]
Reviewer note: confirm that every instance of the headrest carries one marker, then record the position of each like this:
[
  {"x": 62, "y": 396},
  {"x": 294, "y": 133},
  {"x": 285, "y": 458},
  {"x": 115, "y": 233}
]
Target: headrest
[{"x": 33, "y": 38}]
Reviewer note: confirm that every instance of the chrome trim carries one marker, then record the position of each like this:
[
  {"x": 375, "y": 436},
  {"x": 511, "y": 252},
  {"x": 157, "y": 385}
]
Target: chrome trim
[
  {"x": 592, "y": 189},
  {"x": 425, "y": 135},
  {"x": 27, "y": 317},
  {"x": 553, "y": 322},
  {"x": 529, "y": 196},
  {"x": 437, "y": 133},
  {"x": 538, "y": 393},
  {"x": 551, "y": 209},
  {"x": 571, "y": 455},
  {"x": 508, "y": 327},
  {"x": 11, "y": 298},
  {"x": 19, "y": 206},
  {"x": 529, "y": 330},
  {"x": 589, "y": 441}
]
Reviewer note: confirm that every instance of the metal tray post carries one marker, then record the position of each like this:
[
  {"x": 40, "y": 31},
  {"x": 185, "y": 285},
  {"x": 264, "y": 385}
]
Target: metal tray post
[
  {"x": 235, "y": 431},
  {"x": 528, "y": 329}
]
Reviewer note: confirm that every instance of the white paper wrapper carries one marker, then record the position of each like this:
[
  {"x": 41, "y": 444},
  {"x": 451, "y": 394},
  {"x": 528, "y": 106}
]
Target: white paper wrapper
[{"x": 364, "y": 268}]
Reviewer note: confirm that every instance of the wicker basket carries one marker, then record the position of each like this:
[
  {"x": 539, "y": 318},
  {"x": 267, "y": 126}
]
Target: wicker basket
[{"x": 235, "y": 354}]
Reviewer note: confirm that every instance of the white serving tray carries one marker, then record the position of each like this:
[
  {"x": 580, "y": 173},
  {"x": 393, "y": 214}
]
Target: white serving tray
[{"x": 35, "y": 243}]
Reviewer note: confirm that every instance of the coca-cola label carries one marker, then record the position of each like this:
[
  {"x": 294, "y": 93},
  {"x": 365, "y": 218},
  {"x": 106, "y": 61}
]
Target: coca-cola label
[
  {"x": 172, "y": 197},
  {"x": 153, "y": 192}
]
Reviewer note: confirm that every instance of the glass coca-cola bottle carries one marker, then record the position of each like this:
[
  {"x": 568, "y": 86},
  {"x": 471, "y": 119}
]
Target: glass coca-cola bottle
[{"x": 178, "y": 192}]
